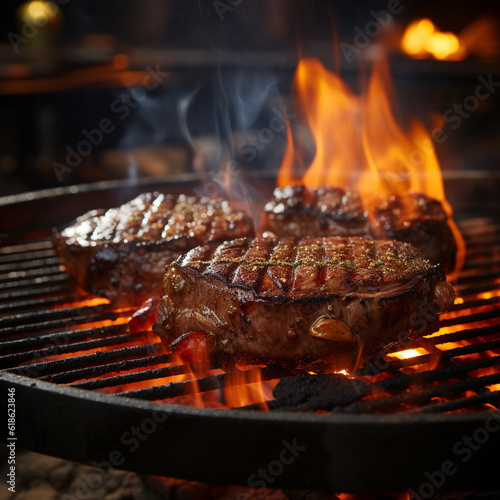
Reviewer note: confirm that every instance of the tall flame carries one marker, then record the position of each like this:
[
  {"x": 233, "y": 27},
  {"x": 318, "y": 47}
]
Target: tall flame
[
  {"x": 359, "y": 136},
  {"x": 398, "y": 163},
  {"x": 333, "y": 114},
  {"x": 360, "y": 145}
]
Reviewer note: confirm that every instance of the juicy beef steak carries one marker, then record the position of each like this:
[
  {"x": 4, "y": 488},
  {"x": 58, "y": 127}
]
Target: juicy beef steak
[
  {"x": 295, "y": 301},
  {"x": 332, "y": 211},
  {"x": 328, "y": 211},
  {"x": 121, "y": 253}
]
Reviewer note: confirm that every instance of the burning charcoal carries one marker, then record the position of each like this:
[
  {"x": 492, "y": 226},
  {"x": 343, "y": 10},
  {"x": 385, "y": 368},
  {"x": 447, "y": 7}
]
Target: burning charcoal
[{"x": 319, "y": 392}]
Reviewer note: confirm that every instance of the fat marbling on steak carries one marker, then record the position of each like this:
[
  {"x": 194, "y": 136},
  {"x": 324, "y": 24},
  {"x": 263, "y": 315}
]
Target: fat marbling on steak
[
  {"x": 295, "y": 301},
  {"x": 121, "y": 253},
  {"x": 333, "y": 211}
]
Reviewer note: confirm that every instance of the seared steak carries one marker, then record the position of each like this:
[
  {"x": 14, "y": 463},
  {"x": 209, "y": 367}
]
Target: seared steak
[
  {"x": 328, "y": 211},
  {"x": 296, "y": 301},
  {"x": 422, "y": 222},
  {"x": 121, "y": 253},
  {"x": 332, "y": 211}
]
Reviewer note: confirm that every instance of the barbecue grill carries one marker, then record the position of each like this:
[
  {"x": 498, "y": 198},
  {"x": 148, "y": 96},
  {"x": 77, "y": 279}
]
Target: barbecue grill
[{"x": 90, "y": 390}]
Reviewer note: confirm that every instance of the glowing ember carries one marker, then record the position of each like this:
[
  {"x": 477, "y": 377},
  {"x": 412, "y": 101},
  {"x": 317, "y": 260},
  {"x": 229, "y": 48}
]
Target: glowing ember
[{"x": 409, "y": 353}]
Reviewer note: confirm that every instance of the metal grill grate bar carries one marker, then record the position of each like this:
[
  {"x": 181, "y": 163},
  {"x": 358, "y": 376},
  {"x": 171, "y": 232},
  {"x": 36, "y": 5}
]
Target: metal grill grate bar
[
  {"x": 451, "y": 371},
  {"x": 444, "y": 356},
  {"x": 483, "y": 242},
  {"x": 130, "y": 378},
  {"x": 26, "y": 257},
  {"x": 42, "y": 280},
  {"x": 465, "y": 335},
  {"x": 15, "y": 277},
  {"x": 462, "y": 403},
  {"x": 31, "y": 343},
  {"x": 39, "y": 292},
  {"x": 57, "y": 350},
  {"x": 478, "y": 276},
  {"x": 28, "y": 246},
  {"x": 441, "y": 356},
  {"x": 87, "y": 360},
  {"x": 469, "y": 318},
  {"x": 117, "y": 367},
  {"x": 29, "y": 265},
  {"x": 49, "y": 314},
  {"x": 82, "y": 319},
  {"x": 472, "y": 304},
  {"x": 422, "y": 397},
  {"x": 479, "y": 263},
  {"x": 488, "y": 287},
  {"x": 39, "y": 303}
]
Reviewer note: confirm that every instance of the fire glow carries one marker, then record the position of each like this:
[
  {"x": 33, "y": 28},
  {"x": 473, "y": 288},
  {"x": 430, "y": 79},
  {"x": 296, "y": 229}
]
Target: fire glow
[{"x": 422, "y": 39}]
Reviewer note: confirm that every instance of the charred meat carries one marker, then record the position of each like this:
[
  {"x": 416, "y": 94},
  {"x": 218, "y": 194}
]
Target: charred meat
[
  {"x": 121, "y": 253},
  {"x": 328, "y": 211},
  {"x": 332, "y": 211},
  {"x": 420, "y": 221},
  {"x": 298, "y": 301}
]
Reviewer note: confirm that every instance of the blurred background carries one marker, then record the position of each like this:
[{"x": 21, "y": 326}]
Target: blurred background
[{"x": 94, "y": 90}]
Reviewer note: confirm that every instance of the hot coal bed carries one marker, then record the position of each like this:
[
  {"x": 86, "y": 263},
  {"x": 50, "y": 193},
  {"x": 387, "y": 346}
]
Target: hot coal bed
[{"x": 88, "y": 388}]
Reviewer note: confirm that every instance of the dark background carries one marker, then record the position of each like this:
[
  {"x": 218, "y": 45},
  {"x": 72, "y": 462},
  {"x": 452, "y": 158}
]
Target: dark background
[{"x": 228, "y": 70}]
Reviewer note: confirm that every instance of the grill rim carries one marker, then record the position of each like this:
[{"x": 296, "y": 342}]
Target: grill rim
[
  {"x": 345, "y": 444},
  {"x": 270, "y": 175},
  {"x": 67, "y": 390}
]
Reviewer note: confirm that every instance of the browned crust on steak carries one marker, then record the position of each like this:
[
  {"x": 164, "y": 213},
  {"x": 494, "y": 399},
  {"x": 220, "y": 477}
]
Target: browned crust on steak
[
  {"x": 330, "y": 211},
  {"x": 422, "y": 222},
  {"x": 301, "y": 211},
  {"x": 121, "y": 253},
  {"x": 261, "y": 298},
  {"x": 294, "y": 267}
]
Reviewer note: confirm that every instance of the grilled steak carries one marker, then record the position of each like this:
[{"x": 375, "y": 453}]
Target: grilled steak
[
  {"x": 422, "y": 222},
  {"x": 295, "y": 301},
  {"x": 328, "y": 211},
  {"x": 331, "y": 211},
  {"x": 121, "y": 253}
]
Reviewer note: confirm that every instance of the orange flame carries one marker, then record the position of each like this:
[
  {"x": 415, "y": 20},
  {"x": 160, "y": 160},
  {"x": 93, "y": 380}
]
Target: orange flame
[
  {"x": 359, "y": 144},
  {"x": 245, "y": 387},
  {"x": 355, "y": 132},
  {"x": 335, "y": 131},
  {"x": 398, "y": 162}
]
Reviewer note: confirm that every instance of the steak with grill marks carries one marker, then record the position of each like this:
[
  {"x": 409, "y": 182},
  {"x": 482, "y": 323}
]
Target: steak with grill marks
[
  {"x": 121, "y": 253},
  {"x": 333, "y": 211},
  {"x": 327, "y": 211},
  {"x": 302, "y": 302}
]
